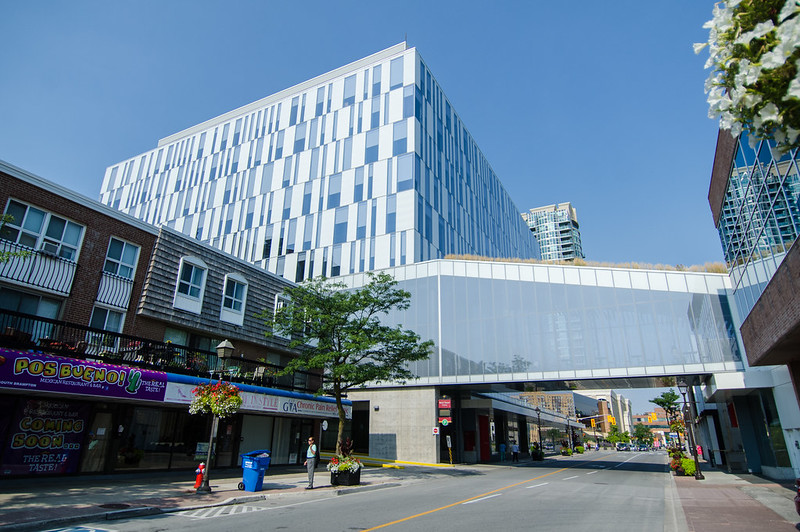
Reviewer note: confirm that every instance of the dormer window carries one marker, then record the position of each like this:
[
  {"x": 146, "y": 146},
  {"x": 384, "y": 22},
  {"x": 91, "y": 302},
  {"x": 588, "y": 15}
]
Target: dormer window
[
  {"x": 189, "y": 292},
  {"x": 233, "y": 299}
]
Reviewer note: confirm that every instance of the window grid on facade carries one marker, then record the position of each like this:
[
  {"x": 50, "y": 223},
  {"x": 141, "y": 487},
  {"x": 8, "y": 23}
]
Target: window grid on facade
[{"x": 412, "y": 145}]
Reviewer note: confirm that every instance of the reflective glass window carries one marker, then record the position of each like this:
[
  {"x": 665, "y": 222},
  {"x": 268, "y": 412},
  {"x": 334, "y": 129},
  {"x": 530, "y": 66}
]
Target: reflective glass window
[
  {"x": 340, "y": 226},
  {"x": 371, "y": 153},
  {"x": 396, "y": 73},
  {"x": 376, "y": 80},
  {"x": 399, "y": 138},
  {"x": 405, "y": 173},
  {"x": 318, "y": 109},
  {"x": 334, "y": 190},
  {"x": 391, "y": 214},
  {"x": 300, "y": 138},
  {"x": 349, "y": 91}
]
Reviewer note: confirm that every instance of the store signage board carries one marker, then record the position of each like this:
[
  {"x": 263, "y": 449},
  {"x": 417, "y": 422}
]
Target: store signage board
[{"x": 32, "y": 371}]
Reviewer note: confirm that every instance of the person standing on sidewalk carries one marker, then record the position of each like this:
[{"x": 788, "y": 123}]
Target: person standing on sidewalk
[
  {"x": 311, "y": 462},
  {"x": 514, "y": 451}
]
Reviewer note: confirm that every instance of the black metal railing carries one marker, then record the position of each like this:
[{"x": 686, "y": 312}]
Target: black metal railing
[
  {"x": 37, "y": 269},
  {"x": 28, "y": 332}
]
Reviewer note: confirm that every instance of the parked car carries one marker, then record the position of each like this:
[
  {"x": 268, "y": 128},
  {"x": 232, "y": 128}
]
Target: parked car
[
  {"x": 623, "y": 446},
  {"x": 643, "y": 448}
]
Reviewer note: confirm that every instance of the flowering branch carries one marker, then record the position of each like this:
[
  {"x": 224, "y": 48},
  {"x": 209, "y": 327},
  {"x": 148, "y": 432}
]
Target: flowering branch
[
  {"x": 754, "y": 85},
  {"x": 221, "y": 399}
]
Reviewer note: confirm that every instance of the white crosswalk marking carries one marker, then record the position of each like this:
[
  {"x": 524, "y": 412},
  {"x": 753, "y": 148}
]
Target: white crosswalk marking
[{"x": 219, "y": 511}]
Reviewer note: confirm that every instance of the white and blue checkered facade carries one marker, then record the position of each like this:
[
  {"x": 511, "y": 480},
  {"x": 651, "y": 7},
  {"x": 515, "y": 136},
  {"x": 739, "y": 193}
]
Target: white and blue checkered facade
[{"x": 365, "y": 167}]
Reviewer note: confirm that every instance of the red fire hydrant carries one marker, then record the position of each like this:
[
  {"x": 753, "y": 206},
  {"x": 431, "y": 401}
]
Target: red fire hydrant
[{"x": 199, "y": 472}]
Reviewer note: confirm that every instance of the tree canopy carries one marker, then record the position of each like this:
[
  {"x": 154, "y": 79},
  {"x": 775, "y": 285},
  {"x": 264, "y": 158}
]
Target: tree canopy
[
  {"x": 642, "y": 434},
  {"x": 339, "y": 331},
  {"x": 669, "y": 402},
  {"x": 615, "y": 436}
]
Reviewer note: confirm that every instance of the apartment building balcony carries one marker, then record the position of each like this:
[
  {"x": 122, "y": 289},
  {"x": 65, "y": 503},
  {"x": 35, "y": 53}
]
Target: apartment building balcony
[
  {"x": 26, "y": 332},
  {"x": 114, "y": 290},
  {"x": 37, "y": 269}
]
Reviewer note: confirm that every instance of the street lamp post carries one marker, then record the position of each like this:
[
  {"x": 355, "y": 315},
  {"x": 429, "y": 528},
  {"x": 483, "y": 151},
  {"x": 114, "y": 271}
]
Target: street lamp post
[
  {"x": 224, "y": 351},
  {"x": 539, "y": 426},
  {"x": 683, "y": 387},
  {"x": 569, "y": 435}
]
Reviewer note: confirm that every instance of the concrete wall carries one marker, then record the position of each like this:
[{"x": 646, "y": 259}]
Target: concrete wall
[{"x": 401, "y": 428}]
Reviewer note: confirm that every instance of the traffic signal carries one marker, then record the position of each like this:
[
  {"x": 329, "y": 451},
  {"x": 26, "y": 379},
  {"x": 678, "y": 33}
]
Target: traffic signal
[
  {"x": 594, "y": 424},
  {"x": 612, "y": 420},
  {"x": 652, "y": 417}
]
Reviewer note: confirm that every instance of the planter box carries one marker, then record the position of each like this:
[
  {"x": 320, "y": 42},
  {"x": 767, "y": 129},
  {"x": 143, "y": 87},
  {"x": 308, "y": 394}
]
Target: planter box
[{"x": 345, "y": 478}]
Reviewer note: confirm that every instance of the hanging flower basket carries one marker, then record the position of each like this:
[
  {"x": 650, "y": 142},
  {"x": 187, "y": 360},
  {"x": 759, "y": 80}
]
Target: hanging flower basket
[{"x": 221, "y": 399}]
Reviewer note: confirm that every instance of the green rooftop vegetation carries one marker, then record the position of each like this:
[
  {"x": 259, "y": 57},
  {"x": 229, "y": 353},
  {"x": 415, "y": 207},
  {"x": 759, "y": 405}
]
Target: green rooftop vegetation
[{"x": 708, "y": 267}]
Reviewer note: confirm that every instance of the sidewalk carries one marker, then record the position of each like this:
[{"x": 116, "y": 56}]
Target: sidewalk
[
  {"x": 732, "y": 502},
  {"x": 722, "y": 501},
  {"x": 40, "y": 504}
]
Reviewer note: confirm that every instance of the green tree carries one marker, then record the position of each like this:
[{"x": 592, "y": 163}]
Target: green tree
[
  {"x": 339, "y": 331},
  {"x": 669, "y": 402},
  {"x": 614, "y": 435},
  {"x": 552, "y": 434},
  {"x": 642, "y": 434}
]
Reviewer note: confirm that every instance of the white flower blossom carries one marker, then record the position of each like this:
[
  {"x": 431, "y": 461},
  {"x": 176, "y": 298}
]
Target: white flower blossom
[
  {"x": 741, "y": 103},
  {"x": 769, "y": 113},
  {"x": 778, "y": 55},
  {"x": 789, "y": 9},
  {"x": 761, "y": 29},
  {"x": 794, "y": 88}
]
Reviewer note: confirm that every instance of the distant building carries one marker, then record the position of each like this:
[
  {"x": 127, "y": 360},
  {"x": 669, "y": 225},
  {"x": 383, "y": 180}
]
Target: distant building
[
  {"x": 557, "y": 231},
  {"x": 561, "y": 403},
  {"x": 618, "y": 405}
]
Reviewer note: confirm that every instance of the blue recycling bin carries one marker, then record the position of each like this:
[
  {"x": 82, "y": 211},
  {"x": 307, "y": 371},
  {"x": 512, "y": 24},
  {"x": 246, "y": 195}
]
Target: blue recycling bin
[{"x": 254, "y": 465}]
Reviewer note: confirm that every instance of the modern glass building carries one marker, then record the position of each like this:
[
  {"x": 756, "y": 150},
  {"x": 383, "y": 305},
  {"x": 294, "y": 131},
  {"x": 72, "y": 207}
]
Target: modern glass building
[
  {"x": 497, "y": 326},
  {"x": 511, "y": 322},
  {"x": 754, "y": 197},
  {"x": 362, "y": 168},
  {"x": 760, "y": 217},
  {"x": 557, "y": 231}
]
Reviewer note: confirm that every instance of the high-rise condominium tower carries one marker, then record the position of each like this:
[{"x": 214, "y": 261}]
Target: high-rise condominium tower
[
  {"x": 362, "y": 168},
  {"x": 557, "y": 231}
]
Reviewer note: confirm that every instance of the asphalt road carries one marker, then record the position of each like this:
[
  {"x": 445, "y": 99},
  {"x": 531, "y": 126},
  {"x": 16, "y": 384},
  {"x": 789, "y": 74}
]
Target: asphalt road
[{"x": 605, "y": 490}]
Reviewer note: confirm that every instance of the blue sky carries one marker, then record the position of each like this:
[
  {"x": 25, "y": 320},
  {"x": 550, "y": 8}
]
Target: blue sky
[{"x": 597, "y": 103}]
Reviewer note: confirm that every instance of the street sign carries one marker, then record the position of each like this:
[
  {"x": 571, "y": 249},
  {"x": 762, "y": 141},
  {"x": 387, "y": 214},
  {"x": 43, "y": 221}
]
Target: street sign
[
  {"x": 445, "y": 403},
  {"x": 445, "y": 421},
  {"x": 449, "y": 443},
  {"x": 435, "y": 431}
]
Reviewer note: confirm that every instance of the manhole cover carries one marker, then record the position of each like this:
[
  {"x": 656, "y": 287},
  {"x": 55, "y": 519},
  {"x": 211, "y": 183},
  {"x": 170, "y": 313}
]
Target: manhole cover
[{"x": 115, "y": 506}]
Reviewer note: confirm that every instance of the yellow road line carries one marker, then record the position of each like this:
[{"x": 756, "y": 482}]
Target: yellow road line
[{"x": 475, "y": 497}]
